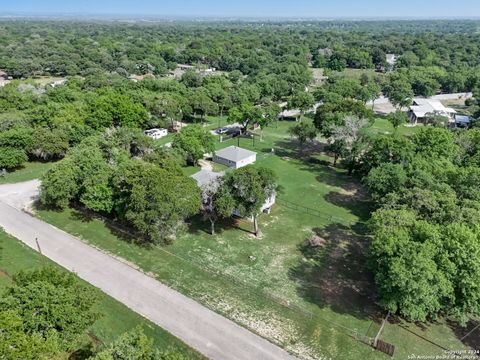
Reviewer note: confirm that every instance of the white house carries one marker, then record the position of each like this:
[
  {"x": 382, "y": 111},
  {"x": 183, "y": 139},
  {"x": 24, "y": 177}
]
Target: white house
[
  {"x": 205, "y": 177},
  {"x": 421, "y": 107},
  {"x": 235, "y": 157},
  {"x": 156, "y": 133}
]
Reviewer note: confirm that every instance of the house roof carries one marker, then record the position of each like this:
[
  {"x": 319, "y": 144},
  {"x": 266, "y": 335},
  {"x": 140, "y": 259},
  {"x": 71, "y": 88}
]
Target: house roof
[
  {"x": 204, "y": 177},
  {"x": 234, "y": 153},
  {"x": 421, "y": 107}
]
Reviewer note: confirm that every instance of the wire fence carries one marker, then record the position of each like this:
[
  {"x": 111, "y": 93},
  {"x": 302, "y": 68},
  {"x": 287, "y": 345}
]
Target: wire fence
[
  {"x": 246, "y": 285},
  {"x": 313, "y": 212}
]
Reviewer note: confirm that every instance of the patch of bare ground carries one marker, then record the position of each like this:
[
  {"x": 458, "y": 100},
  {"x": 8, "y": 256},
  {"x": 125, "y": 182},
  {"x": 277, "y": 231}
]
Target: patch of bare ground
[{"x": 335, "y": 275}]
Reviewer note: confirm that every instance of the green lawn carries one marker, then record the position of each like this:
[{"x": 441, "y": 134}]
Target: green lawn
[
  {"x": 29, "y": 171},
  {"x": 383, "y": 126},
  {"x": 116, "y": 319},
  {"x": 357, "y": 73},
  {"x": 313, "y": 302}
]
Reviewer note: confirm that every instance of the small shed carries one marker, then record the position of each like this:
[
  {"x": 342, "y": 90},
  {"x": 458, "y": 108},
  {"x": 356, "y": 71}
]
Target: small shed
[{"x": 235, "y": 157}]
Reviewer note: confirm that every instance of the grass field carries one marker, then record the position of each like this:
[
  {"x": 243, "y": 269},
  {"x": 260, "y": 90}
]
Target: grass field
[
  {"x": 30, "y": 171},
  {"x": 116, "y": 319},
  {"x": 316, "y": 303},
  {"x": 357, "y": 73},
  {"x": 383, "y": 126}
]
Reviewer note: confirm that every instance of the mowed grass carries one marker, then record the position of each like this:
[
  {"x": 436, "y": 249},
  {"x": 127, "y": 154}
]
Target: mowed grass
[
  {"x": 29, "y": 171},
  {"x": 316, "y": 303},
  {"x": 116, "y": 318},
  {"x": 383, "y": 126}
]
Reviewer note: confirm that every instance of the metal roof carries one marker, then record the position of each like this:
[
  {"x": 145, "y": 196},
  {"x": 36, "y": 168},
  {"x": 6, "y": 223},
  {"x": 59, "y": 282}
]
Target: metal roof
[
  {"x": 422, "y": 107},
  {"x": 204, "y": 177},
  {"x": 234, "y": 153}
]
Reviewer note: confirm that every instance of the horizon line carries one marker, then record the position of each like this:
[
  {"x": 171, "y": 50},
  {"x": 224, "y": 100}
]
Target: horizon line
[{"x": 160, "y": 17}]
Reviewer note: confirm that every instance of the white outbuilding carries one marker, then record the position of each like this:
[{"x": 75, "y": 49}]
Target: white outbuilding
[
  {"x": 156, "y": 133},
  {"x": 235, "y": 157}
]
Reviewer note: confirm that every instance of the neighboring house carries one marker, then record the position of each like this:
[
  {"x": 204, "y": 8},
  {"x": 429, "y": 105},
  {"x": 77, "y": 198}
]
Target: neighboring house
[
  {"x": 205, "y": 177},
  {"x": 235, "y": 157},
  {"x": 421, "y": 107},
  {"x": 156, "y": 133},
  {"x": 391, "y": 60},
  {"x": 294, "y": 114}
]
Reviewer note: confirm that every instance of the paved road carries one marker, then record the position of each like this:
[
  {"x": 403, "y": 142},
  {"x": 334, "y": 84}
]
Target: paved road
[{"x": 211, "y": 334}]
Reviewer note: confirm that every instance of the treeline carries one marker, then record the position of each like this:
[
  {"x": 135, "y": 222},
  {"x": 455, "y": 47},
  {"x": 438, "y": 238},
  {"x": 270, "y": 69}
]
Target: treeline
[
  {"x": 46, "y": 313},
  {"x": 42, "y": 123},
  {"x": 122, "y": 174},
  {"x": 426, "y": 239}
]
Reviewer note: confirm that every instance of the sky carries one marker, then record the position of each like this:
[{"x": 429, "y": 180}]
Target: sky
[{"x": 248, "y": 8}]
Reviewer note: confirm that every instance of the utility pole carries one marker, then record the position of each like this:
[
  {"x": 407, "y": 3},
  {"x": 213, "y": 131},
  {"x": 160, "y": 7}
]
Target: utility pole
[{"x": 38, "y": 246}]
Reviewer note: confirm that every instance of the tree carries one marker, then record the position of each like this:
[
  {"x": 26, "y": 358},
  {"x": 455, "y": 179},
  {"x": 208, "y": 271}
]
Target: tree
[
  {"x": 461, "y": 245},
  {"x": 135, "y": 345},
  {"x": 111, "y": 108},
  {"x": 270, "y": 113},
  {"x": 302, "y": 101},
  {"x": 303, "y": 132},
  {"x": 216, "y": 202},
  {"x": 195, "y": 141},
  {"x": 370, "y": 92},
  {"x": 11, "y": 158},
  {"x": 250, "y": 187},
  {"x": 165, "y": 106},
  {"x": 395, "y": 149},
  {"x": 435, "y": 142},
  {"x": 59, "y": 185},
  {"x": 402, "y": 257},
  {"x": 351, "y": 137},
  {"x": 437, "y": 119},
  {"x": 385, "y": 179},
  {"x": 400, "y": 93},
  {"x": 201, "y": 103},
  {"x": 93, "y": 176},
  {"x": 154, "y": 201},
  {"x": 338, "y": 149},
  {"x": 397, "y": 118},
  {"x": 16, "y": 342},
  {"x": 425, "y": 270},
  {"x": 49, "y": 144},
  {"x": 17, "y": 137},
  {"x": 52, "y": 302},
  {"x": 191, "y": 78},
  {"x": 245, "y": 115}
]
